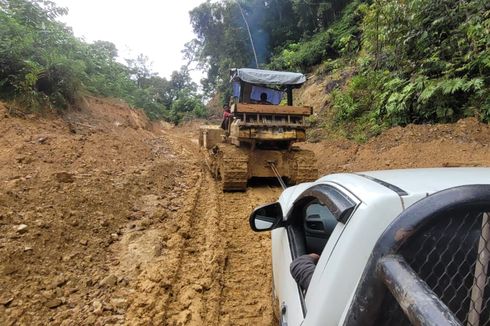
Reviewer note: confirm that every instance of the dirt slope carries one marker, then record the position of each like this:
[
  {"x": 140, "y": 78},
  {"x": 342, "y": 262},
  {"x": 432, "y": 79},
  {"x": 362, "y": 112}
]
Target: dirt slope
[
  {"x": 106, "y": 218},
  {"x": 465, "y": 143}
]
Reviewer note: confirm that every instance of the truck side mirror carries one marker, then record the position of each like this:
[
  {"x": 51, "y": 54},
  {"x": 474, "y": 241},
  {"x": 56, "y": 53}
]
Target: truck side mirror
[{"x": 266, "y": 218}]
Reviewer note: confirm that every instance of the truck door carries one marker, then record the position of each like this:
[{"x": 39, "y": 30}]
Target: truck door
[
  {"x": 310, "y": 223},
  {"x": 286, "y": 290}
]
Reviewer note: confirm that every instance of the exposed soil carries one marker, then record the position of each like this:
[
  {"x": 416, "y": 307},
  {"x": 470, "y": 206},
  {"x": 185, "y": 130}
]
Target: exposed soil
[
  {"x": 463, "y": 144},
  {"x": 106, "y": 218}
]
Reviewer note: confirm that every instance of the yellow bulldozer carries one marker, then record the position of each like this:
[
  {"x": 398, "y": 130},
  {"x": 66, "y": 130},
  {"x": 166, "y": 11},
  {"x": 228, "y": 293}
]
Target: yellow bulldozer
[{"x": 258, "y": 139}]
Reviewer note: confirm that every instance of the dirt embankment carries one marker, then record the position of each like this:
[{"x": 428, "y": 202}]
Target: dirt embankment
[
  {"x": 463, "y": 144},
  {"x": 106, "y": 218}
]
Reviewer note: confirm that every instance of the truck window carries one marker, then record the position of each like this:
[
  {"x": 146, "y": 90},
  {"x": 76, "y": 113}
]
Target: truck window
[
  {"x": 314, "y": 216},
  {"x": 318, "y": 224}
]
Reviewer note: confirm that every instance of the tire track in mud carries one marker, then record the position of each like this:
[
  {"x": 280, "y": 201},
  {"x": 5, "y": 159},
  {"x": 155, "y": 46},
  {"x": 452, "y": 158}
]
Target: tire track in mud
[
  {"x": 224, "y": 277},
  {"x": 198, "y": 281},
  {"x": 215, "y": 269},
  {"x": 247, "y": 277}
]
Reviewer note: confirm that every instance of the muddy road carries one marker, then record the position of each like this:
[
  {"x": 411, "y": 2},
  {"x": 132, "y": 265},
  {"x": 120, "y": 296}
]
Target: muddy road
[
  {"x": 109, "y": 219},
  {"x": 219, "y": 272},
  {"x": 106, "y": 219}
]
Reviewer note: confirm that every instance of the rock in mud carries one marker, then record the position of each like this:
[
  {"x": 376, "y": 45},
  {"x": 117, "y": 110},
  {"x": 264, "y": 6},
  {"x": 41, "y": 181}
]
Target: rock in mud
[
  {"x": 98, "y": 308},
  {"x": 119, "y": 303},
  {"x": 64, "y": 177},
  {"x": 109, "y": 281},
  {"x": 22, "y": 228},
  {"x": 22, "y": 159},
  {"x": 54, "y": 303},
  {"x": 160, "y": 214},
  {"x": 136, "y": 215},
  {"x": 145, "y": 223},
  {"x": 6, "y": 300},
  {"x": 59, "y": 282},
  {"x": 41, "y": 139}
]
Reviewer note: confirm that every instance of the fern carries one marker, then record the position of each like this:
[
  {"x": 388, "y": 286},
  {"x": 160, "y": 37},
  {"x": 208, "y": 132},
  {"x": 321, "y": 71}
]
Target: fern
[
  {"x": 427, "y": 93},
  {"x": 451, "y": 86}
]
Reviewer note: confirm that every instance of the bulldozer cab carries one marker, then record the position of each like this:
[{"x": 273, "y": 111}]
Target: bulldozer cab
[
  {"x": 250, "y": 84},
  {"x": 263, "y": 109}
]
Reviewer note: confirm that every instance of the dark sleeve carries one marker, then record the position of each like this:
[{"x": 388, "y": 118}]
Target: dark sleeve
[{"x": 302, "y": 269}]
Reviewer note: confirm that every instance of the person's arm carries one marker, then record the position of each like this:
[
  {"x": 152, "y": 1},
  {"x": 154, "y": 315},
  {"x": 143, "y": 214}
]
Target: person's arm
[{"x": 302, "y": 269}]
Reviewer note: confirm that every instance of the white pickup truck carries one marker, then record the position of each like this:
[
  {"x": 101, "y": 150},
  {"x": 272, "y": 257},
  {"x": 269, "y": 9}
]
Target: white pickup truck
[{"x": 396, "y": 247}]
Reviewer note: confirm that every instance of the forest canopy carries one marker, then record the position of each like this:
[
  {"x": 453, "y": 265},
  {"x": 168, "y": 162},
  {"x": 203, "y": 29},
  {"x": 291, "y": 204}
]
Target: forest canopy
[
  {"x": 222, "y": 39},
  {"x": 412, "y": 61}
]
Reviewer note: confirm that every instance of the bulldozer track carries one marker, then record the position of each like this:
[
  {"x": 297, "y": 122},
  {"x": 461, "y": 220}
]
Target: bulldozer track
[
  {"x": 197, "y": 283},
  {"x": 233, "y": 168},
  {"x": 303, "y": 166},
  {"x": 230, "y": 165},
  {"x": 224, "y": 271}
]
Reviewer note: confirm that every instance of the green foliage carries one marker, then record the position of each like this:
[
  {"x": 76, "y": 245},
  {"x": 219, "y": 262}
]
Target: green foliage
[
  {"x": 314, "y": 16},
  {"x": 427, "y": 100},
  {"x": 421, "y": 61},
  {"x": 281, "y": 26},
  {"x": 301, "y": 56},
  {"x": 26, "y": 65},
  {"x": 222, "y": 42},
  {"x": 378, "y": 99},
  {"x": 357, "y": 98},
  {"x": 415, "y": 61},
  {"x": 43, "y": 64},
  {"x": 342, "y": 38},
  {"x": 187, "y": 106}
]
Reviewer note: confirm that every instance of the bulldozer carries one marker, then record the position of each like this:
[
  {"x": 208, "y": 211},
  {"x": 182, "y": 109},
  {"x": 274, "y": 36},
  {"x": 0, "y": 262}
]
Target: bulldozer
[{"x": 258, "y": 141}]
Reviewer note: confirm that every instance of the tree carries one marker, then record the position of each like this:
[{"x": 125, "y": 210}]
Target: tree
[
  {"x": 221, "y": 41},
  {"x": 140, "y": 69},
  {"x": 105, "y": 49}
]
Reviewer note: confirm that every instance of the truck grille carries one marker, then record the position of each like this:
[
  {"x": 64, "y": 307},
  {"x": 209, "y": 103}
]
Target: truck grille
[{"x": 452, "y": 257}]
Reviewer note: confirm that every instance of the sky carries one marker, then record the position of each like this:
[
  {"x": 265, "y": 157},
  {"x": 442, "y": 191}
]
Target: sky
[{"x": 156, "y": 28}]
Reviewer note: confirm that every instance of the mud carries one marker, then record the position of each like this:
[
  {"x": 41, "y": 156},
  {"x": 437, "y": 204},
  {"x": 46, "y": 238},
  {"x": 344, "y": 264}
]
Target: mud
[
  {"x": 109, "y": 219},
  {"x": 106, "y": 218}
]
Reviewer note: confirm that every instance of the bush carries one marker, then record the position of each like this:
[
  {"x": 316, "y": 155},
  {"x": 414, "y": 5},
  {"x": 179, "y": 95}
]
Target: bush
[
  {"x": 300, "y": 56},
  {"x": 421, "y": 62}
]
